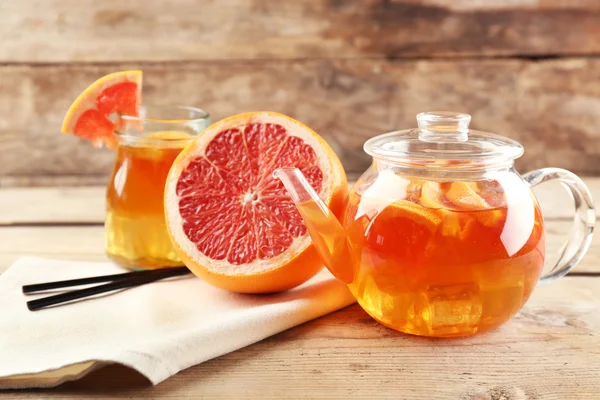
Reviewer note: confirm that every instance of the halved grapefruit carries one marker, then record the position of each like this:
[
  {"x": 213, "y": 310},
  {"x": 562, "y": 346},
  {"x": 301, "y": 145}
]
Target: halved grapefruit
[
  {"x": 92, "y": 114},
  {"x": 230, "y": 221}
]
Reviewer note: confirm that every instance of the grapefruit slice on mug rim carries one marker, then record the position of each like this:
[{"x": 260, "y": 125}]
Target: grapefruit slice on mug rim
[
  {"x": 92, "y": 114},
  {"x": 230, "y": 221}
]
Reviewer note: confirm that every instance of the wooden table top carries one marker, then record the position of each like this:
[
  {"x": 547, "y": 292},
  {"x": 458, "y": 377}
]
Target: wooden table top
[{"x": 550, "y": 350}]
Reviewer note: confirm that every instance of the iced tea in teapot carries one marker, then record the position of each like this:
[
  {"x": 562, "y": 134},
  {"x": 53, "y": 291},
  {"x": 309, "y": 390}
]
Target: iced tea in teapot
[
  {"x": 448, "y": 259},
  {"x": 441, "y": 236}
]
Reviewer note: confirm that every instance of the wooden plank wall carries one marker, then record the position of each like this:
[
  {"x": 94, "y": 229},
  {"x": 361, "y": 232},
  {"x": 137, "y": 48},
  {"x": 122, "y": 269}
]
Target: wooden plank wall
[{"x": 351, "y": 69}]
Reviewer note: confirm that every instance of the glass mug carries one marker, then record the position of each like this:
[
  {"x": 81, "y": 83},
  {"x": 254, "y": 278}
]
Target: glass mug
[
  {"x": 136, "y": 233},
  {"x": 442, "y": 236}
]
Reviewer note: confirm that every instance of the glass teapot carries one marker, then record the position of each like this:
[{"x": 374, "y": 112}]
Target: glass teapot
[{"x": 441, "y": 236}]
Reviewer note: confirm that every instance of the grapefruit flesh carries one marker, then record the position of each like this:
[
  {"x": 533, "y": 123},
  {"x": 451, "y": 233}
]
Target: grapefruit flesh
[
  {"x": 92, "y": 114},
  {"x": 232, "y": 223}
]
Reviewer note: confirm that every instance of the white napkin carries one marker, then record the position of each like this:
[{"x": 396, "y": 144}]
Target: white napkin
[{"x": 157, "y": 329}]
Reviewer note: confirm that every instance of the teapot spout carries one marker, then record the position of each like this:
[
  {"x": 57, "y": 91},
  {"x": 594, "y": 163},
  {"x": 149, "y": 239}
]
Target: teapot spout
[{"x": 327, "y": 234}]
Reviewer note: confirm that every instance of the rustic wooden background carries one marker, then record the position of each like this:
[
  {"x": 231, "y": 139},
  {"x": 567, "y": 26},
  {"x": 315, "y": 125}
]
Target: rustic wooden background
[{"x": 351, "y": 69}]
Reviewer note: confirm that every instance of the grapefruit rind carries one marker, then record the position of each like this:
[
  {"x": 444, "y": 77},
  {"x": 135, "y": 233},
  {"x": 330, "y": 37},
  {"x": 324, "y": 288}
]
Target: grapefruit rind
[{"x": 297, "y": 263}]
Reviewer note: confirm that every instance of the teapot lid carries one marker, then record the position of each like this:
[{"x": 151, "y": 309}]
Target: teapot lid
[{"x": 443, "y": 139}]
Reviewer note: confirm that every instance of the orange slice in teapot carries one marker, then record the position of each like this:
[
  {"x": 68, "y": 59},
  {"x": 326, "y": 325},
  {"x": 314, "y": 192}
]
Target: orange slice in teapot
[
  {"x": 454, "y": 224},
  {"x": 415, "y": 212},
  {"x": 465, "y": 196},
  {"x": 402, "y": 231}
]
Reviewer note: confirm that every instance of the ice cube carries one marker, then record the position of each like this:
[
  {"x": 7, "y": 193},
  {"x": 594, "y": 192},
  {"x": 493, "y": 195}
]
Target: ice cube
[{"x": 455, "y": 308}]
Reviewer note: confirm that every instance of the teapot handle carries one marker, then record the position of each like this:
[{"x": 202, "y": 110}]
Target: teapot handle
[{"x": 580, "y": 236}]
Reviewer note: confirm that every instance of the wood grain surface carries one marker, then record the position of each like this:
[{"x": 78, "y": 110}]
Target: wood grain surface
[
  {"x": 186, "y": 30},
  {"x": 53, "y": 206},
  {"x": 550, "y": 350},
  {"x": 550, "y": 106},
  {"x": 349, "y": 69}
]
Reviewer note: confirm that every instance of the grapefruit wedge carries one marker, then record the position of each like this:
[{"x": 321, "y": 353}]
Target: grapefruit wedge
[
  {"x": 92, "y": 114},
  {"x": 230, "y": 221}
]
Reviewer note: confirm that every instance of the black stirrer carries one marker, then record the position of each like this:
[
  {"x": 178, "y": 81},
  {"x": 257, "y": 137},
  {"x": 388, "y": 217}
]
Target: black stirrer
[
  {"x": 135, "y": 280},
  {"x": 38, "y": 287}
]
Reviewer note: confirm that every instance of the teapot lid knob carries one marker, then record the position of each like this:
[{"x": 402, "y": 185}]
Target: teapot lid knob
[{"x": 443, "y": 126}]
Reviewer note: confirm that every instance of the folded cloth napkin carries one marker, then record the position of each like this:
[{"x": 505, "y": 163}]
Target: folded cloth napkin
[{"x": 157, "y": 329}]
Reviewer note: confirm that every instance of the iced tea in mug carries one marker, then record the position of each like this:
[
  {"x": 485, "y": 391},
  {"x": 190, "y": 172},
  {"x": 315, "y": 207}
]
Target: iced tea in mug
[{"x": 136, "y": 235}]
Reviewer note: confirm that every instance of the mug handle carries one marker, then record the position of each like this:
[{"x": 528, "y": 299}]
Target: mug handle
[{"x": 580, "y": 236}]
